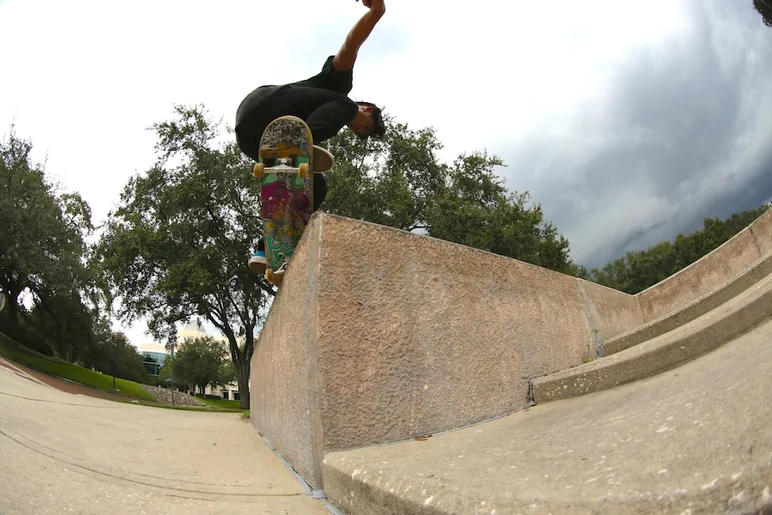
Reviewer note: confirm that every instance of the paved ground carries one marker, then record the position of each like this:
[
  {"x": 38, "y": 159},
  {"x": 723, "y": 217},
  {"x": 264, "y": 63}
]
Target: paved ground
[{"x": 68, "y": 453}]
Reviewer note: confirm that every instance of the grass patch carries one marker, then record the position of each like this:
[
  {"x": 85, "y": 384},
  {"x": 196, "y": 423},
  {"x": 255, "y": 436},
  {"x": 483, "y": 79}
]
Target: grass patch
[
  {"x": 180, "y": 407},
  {"x": 221, "y": 403},
  {"x": 76, "y": 373}
]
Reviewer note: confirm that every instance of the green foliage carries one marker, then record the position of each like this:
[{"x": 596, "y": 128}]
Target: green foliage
[
  {"x": 43, "y": 252},
  {"x": 114, "y": 355},
  {"x": 764, "y": 8},
  {"x": 201, "y": 362},
  {"x": 400, "y": 182},
  {"x": 638, "y": 270},
  {"x": 42, "y": 244},
  {"x": 177, "y": 246},
  {"x": 76, "y": 373}
]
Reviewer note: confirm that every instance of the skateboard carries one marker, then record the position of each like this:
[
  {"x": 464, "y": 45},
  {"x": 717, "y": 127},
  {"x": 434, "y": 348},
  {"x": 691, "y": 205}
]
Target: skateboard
[{"x": 285, "y": 168}]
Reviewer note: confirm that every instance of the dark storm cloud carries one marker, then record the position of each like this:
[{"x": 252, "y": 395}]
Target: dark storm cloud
[{"x": 668, "y": 146}]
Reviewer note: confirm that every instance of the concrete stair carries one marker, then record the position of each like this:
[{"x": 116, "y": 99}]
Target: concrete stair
[
  {"x": 667, "y": 350},
  {"x": 698, "y": 307}
]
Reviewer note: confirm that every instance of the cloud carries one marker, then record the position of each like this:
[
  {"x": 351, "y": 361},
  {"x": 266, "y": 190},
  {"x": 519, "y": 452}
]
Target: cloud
[{"x": 681, "y": 133}]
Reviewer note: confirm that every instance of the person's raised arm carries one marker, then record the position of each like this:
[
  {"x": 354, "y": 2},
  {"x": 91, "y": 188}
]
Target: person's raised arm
[{"x": 347, "y": 55}]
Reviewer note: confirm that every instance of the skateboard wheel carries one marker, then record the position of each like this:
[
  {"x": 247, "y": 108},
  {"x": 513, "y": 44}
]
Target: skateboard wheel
[
  {"x": 258, "y": 170},
  {"x": 303, "y": 170},
  {"x": 269, "y": 275}
]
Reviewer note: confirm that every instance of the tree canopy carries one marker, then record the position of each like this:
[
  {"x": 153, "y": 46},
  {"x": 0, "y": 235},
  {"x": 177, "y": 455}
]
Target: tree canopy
[
  {"x": 638, "y": 270},
  {"x": 178, "y": 244},
  {"x": 401, "y": 182},
  {"x": 43, "y": 249},
  {"x": 201, "y": 362}
]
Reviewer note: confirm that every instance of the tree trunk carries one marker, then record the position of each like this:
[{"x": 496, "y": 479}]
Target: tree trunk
[
  {"x": 242, "y": 378},
  {"x": 13, "y": 313}
]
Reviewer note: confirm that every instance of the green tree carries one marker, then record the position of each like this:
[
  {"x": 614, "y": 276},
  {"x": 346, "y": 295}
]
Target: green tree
[
  {"x": 764, "y": 8},
  {"x": 42, "y": 247},
  {"x": 200, "y": 361},
  {"x": 400, "y": 182},
  {"x": 114, "y": 355},
  {"x": 178, "y": 244},
  {"x": 640, "y": 269}
]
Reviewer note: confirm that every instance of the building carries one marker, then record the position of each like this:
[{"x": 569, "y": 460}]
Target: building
[{"x": 154, "y": 356}]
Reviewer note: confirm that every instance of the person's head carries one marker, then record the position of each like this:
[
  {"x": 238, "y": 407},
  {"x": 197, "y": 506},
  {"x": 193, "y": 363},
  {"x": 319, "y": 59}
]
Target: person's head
[{"x": 368, "y": 121}]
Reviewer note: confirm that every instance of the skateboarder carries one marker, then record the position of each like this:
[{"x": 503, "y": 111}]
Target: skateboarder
[{"x": 321, "y": 101}]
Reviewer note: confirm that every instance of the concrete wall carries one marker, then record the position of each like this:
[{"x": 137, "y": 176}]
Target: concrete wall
[
  {"x": 284, "y": 392},
  {"x": 707, "y": 274},
  {"x": 379, "y": 335}
]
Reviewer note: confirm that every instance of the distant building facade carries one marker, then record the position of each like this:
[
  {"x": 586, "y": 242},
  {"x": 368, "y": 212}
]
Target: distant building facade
[{"x": 155, "y": 356}]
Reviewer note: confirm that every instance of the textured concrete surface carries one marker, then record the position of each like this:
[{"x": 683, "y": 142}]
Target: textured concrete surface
[
  {"x": 64, "y": 453},
  {"x": 284, "y": 385},
  {"x": 709, "y": 273},
  {"x": 735, "y": 286},
  {"x": 377, "y": 333},
  {"x": 667, "y": 351},
  {"x": 608, "y": 314},
  {"x": 694, "y": 440},
  {"x": 762, "y": 232}
]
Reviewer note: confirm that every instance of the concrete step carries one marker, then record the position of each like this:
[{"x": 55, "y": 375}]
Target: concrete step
[
  {"x": 730, "y": 289},
  {"x": 664, "y": 352},
  {"x": 694, "y": 440}
]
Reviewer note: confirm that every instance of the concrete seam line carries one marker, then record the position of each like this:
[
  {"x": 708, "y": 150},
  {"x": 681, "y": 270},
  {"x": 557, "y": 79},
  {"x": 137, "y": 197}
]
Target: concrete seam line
[{"x": 298, "y": 477}]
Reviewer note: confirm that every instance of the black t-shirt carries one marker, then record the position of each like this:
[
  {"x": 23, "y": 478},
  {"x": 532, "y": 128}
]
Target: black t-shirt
[{"x": 320, "y": 100}]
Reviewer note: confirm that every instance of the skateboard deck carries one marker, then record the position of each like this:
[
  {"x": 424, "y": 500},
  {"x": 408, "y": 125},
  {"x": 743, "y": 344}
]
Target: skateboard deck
[{"x": 284, "y": 168}]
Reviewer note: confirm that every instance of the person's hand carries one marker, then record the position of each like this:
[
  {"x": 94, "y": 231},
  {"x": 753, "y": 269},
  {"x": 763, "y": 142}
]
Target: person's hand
[{"x": 377, "y": 6}]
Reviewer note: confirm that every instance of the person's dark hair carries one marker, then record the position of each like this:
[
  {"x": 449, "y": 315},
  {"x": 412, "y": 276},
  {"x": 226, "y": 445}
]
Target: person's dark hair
[{"x": 379, "y": 127}]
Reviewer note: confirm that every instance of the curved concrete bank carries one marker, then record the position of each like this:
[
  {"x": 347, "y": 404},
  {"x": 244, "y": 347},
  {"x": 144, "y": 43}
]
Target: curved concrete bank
[
  {"x": 668, "y": 351},
  {"x": 695, "y": 440},
  {"x": 709, "y": 273},
  {"x": 702, "y": 305}
]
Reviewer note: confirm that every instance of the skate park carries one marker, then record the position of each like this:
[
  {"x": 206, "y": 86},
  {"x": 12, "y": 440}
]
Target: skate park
[{"x": 450, "y": 381}]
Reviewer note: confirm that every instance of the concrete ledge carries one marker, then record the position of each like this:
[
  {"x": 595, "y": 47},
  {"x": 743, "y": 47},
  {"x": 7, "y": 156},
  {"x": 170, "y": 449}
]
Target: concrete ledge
[
  {"x": 735, "y": 286},
  {"x": 709, "y": 272},
  {"x": 664, "y": 352}
]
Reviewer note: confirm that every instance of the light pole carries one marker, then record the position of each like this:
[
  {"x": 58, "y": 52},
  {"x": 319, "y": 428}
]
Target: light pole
[{"x": 173, "y": 388}]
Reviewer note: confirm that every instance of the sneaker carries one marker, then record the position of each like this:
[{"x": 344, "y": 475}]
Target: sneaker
[{"x": 257, "y": 261}]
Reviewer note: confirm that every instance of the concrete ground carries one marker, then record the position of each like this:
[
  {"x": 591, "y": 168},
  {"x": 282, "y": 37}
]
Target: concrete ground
[{"x": 65, "y": 453}]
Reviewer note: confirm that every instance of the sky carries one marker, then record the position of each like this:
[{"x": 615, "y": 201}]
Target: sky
[{"x": 628, "y": 122}]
